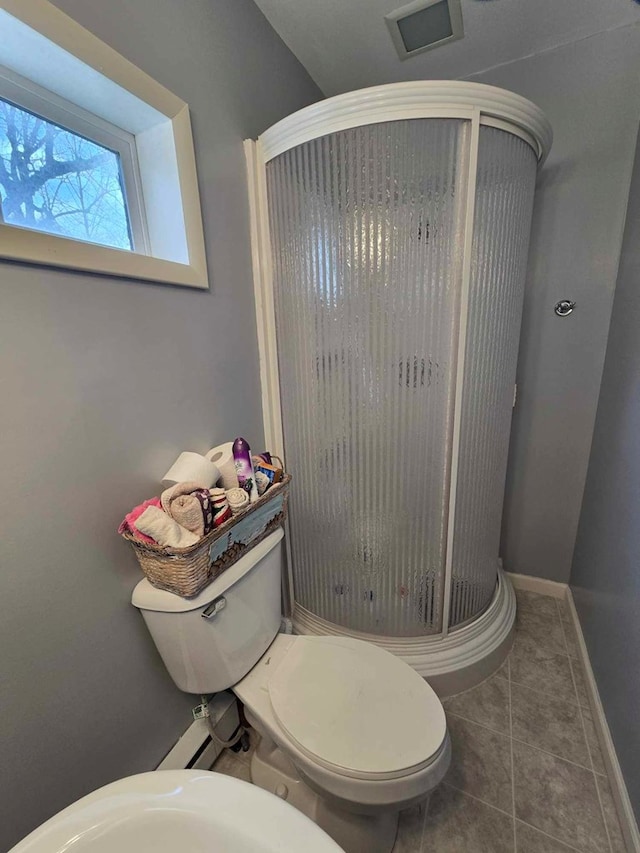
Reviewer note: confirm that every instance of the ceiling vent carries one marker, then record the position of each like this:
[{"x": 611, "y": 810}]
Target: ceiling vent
[{"x": 423, "y": 25}]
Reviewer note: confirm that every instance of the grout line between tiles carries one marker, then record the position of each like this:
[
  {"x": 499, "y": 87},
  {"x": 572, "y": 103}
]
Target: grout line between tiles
[
  {"x": 552, "y": 695},
  {"x": 551, "y": 837},
  {"x": 524, "y": 742},
  {"x": 513, "y": 774},
  {"x": 565, "y": 653},
  {"x": 478, "y": 799},
  {"x": 604, "y": 818},
  {"x": 584, "y": 731},
  {"x": 552, "y": 754},
  {"x": 424, "y": 824},
  {"x": 482, "y": 725},
  {"x": 589, "y": 769},
  {"x": 490, "y": 677},
  {"x": 576, "y": 665},
  {"x": 544, "y": 693}
]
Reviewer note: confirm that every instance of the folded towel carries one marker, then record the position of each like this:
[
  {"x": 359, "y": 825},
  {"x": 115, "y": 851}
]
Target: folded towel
[
  {"x": 164, "y": 530},
  {"x": 190, "y": 506},
  {"x": 129, "y": 523},
  {"x": 221, "y": 508},
  {"x": 238, "y": 499}
]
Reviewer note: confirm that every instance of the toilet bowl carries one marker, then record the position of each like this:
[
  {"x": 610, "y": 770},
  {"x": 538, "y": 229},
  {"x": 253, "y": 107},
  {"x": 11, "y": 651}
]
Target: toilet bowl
[
  {"x": 350, "y": 758},
  {"x": 350, "y": 733}
]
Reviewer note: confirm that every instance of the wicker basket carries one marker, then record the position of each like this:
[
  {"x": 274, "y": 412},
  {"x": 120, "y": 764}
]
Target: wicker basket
[{"x": 186, "y": 571}]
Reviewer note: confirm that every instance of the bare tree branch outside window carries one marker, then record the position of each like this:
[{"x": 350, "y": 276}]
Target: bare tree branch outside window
[{"x": 57, "y": 181}]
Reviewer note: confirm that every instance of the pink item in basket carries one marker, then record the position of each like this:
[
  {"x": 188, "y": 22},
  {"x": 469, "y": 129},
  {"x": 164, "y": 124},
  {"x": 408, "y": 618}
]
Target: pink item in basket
[{"x": 129, "y": 526}]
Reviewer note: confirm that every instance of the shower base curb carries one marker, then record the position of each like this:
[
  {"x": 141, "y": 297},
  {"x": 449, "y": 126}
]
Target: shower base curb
[{"x": 450, "y": 664}]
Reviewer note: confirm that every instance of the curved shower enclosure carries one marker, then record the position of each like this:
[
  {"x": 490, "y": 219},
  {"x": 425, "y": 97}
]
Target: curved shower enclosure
[{"x": 390, "y": 236}]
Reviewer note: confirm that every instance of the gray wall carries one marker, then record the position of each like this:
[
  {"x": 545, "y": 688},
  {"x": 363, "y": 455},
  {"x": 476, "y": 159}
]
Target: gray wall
[
  {"x": 605, "y": 577},
  {"x": 102, "y": 383},
  {"x": 590, "y": 90}
]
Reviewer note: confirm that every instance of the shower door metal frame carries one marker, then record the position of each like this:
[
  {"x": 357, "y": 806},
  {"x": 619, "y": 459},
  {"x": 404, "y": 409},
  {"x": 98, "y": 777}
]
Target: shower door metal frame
[{"x": 473, "y": 102}]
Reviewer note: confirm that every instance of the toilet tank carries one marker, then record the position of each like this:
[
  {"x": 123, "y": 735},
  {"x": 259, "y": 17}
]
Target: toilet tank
[{"x": 208, "y": 643}]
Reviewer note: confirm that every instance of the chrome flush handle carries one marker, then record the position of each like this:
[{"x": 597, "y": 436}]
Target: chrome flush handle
[{"x": 214, "y": 608}]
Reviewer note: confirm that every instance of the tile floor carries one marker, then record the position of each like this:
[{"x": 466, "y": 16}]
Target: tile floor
[{"x": 527, "y": 774}]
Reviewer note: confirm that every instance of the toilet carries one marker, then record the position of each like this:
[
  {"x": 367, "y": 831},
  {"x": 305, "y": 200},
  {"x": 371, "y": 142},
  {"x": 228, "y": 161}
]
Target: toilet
[{"x": 350, "y": 734}]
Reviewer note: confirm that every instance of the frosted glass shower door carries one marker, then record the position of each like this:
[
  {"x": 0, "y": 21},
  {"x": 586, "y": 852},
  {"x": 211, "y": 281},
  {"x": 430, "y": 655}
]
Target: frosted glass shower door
[
  {"x": 367, "y": 233},
  {"x": 505, "y": 186}
]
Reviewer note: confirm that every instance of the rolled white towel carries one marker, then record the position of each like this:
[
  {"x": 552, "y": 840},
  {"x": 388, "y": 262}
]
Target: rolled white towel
[
  {"x": 164, "y": 530},
  {"x": 238, "y": 499}
]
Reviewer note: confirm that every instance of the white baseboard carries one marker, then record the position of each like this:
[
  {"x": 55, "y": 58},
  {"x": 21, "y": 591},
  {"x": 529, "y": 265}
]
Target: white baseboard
[
  {"x": 195, "y": 749},
  {"x": 540, "y": 585},
  {"x": 621, "y": 798},
  {"x": 181, "y": 755}
]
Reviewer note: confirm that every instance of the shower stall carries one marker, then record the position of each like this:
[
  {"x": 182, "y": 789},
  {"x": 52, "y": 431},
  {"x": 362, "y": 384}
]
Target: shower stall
[{"x": 390, "y": 229}]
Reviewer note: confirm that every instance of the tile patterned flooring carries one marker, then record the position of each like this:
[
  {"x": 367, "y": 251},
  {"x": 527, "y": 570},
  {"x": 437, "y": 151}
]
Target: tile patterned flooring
[{"x": 527, "y": 774}]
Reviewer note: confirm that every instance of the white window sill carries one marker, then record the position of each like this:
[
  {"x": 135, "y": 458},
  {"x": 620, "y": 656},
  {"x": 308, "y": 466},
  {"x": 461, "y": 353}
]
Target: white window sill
[{"x": 17, "y": 244}]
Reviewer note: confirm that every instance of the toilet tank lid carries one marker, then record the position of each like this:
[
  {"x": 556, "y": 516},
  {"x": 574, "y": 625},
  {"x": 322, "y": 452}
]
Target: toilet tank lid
[{"x": 148, "y": 597}]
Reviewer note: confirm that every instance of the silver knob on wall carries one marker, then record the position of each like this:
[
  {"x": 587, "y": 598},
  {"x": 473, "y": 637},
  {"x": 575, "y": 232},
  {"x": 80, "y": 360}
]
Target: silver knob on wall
[{"x": 564, "y": 307}]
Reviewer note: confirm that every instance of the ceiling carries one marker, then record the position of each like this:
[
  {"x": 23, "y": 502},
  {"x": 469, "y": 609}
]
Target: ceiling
[{"x": 345, "y": 44}]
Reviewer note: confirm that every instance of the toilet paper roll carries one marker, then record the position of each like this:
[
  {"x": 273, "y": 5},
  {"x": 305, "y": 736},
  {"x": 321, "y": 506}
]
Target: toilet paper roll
[
  {"x": 222, "y": 458},
  {"x": 194, "y": 468}
]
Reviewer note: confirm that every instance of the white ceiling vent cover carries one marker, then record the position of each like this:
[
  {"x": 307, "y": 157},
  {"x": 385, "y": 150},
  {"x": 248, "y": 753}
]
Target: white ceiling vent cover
[{"x": 424, "y": 24}]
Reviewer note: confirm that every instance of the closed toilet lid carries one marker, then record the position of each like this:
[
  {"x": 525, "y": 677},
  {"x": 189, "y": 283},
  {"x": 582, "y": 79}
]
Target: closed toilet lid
[{"x": 356, "y": 707}]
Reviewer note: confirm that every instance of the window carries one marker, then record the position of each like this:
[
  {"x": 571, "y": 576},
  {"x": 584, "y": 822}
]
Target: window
[
  {"x": 97, "y": 168},
  {"x": 54, "y": 180}
]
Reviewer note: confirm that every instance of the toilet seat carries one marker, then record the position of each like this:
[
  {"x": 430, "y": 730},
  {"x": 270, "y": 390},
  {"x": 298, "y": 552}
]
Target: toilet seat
[
  {"x": 356, "y": 709},
  {"x": 348, "y": 706}
]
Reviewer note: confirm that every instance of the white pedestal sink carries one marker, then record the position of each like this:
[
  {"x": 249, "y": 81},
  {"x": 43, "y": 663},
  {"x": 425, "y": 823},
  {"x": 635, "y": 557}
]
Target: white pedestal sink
[{"x": 178, "y": 811}]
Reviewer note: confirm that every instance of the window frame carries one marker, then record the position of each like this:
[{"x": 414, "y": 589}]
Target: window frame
[
  {"x": 73, "y": 68},
  {"x": 46, "y": 105}
]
